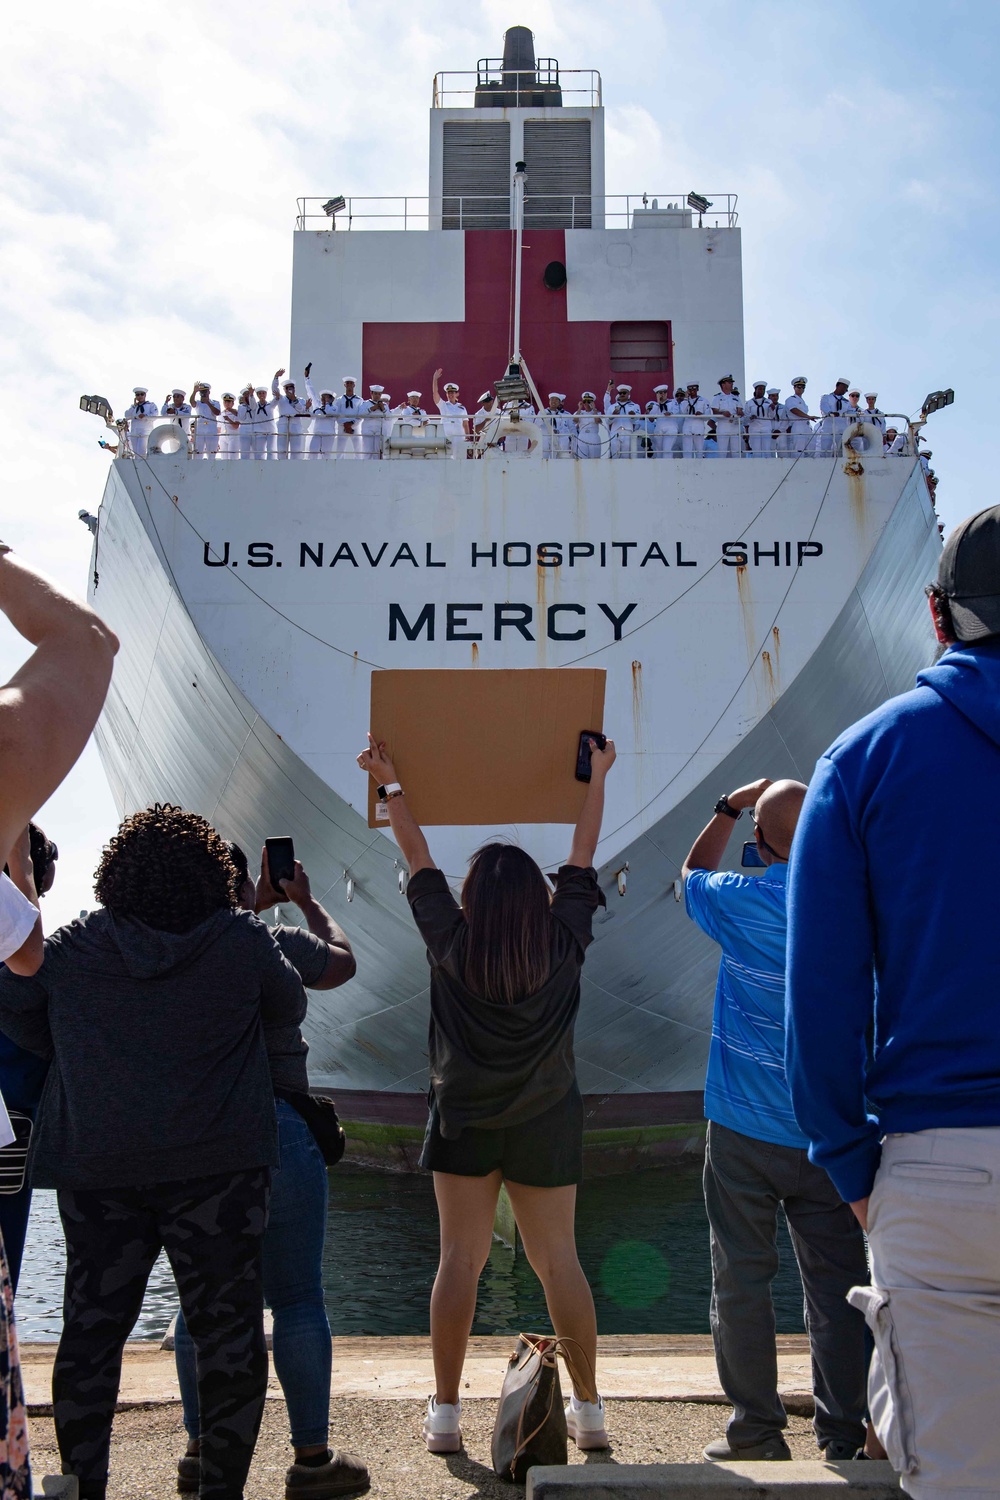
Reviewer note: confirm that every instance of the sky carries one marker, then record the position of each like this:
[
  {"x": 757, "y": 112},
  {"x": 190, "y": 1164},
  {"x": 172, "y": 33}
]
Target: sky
[{"x": 151, "y": 156}]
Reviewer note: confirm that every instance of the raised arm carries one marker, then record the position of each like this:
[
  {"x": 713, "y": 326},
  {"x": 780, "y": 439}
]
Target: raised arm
[
  {"x": 51, "y": 704},
  {"x": 27, "y": 959},
  {"x": 340, "y": 964},
  {"x": 588, "y": 826},
  {"x": 710, "y": 845},
  {"x": 405, "y": 828}
]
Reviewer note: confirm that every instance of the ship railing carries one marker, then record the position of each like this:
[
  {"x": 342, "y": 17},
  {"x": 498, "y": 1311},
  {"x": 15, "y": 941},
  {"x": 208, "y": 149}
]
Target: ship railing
[
  {"x": 544, "y": 86},
  {"x": 393, "y": 436},
  {"x": 541, "y": 211}
]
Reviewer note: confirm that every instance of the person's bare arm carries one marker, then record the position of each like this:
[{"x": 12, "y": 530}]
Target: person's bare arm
[
  {"x": 341, "y": 964},
  {"x": 406, "y": 830},
  {"x": 710, "y": 845},
  {"x": 51, "y": 704},
  {"x": 588, "y": 825},
  {"x": 435, "y": 392},
  {"x": 27, "y": 959}
]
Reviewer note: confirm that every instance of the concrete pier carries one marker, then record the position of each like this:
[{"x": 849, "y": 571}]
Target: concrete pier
[{"x": 775, "y": 1481}]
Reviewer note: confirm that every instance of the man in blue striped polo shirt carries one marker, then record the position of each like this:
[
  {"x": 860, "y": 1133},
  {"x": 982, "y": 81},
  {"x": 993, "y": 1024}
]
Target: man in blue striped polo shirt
[{"x": 756, "y": 1158}]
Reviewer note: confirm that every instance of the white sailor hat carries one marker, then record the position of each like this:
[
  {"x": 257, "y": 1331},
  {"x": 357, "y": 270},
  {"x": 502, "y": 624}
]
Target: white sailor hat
[
  {"x": 142, "y": 389},
  {"x": 557, "y": 395},
  {"x": 927, "y": 453},
  {"x": 623, "y": 385},
  {"x": 486, "y": 396},
  {"x": 451, "y": 385},
  {"x": 413, "y": 393},
  {"x": 286, "y": 383},
  {"x": 773, "y": 390},
  {"x": 855, "y": 390},
  {"x": 587, "y": 396},
  {"x": 721, "y": 379},
  {"x": 664, "y": 387},
  {"x": 205, "y": 385},
  {"x": 841, "y": 380},
  {"x": 228, "y": 396},
  {"x": 872, "y": 394},
  {"x": 258, "y": 388},
  {"x": 178, "y": 390},
  {"x": 756, "y": 383},
  {"x": 377, "y": 388},
  {"x": 694, "y": 385},
  {"x": 799, "y": 380}
]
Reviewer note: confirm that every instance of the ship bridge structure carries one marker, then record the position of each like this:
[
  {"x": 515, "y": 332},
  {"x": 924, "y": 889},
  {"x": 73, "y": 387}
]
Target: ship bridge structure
[{"x": 739, "y": 614}]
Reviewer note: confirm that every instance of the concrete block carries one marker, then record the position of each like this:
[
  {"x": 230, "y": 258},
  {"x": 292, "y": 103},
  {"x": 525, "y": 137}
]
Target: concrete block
[
  {"x": 806, "y": 1479},
  {"x": 61, "y": 1487}
]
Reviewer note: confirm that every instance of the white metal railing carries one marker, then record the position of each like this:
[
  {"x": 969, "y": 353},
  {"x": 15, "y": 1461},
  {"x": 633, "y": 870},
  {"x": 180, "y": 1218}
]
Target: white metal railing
[
  {"x": 491, "y": 85},
  {"x": 393, "y": 437},
  {"x": 541, "y": 211}
]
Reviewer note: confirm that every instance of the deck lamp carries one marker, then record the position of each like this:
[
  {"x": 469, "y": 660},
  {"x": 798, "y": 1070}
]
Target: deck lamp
[
  {"x": 513, "y": 386},
  {"x": 97, "y": 406},
  {"x": 332, "y": 207},
  {"x": 936, "y": 400},
  {"x": 700, "y": 204}
]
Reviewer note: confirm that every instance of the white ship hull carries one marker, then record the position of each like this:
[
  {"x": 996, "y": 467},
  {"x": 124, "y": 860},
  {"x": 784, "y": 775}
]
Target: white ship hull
[{"x": 242, "y": 691}]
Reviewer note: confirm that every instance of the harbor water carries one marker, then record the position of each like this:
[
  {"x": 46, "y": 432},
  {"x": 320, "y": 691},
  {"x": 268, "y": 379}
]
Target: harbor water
[{"x": 643, "y": 1241}]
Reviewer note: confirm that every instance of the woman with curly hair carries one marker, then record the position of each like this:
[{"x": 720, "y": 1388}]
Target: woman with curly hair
[{"x": 157, "y": 1128}]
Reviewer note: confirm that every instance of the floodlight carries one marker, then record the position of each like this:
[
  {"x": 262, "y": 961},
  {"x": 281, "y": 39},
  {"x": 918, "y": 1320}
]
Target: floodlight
[
  {"x": 700, "y": 204},
  {"x": 334, "y": 206},
  {"x": 513, "y": 386},
  {"x": 936, "y": 400},
  {"x": 97, "y": 406}
]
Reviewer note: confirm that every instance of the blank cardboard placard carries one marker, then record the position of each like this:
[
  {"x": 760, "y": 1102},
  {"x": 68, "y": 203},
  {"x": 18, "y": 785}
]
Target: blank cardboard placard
[{"x": 486, "y": 746}]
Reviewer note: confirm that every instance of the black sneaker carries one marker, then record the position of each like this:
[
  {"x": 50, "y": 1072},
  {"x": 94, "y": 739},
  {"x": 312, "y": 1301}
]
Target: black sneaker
[
  {"x": 840, "y": 1451},
  {"x": 772, "y": 1450},
  {"x": 342, "y": 1474}
]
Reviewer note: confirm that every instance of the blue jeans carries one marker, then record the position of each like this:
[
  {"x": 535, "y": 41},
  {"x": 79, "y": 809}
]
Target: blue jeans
[{"x": 293, "y": 1289}]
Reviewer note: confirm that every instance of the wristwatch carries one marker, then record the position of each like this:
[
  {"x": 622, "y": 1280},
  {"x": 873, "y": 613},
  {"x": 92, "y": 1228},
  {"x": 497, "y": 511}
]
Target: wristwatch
[
  {"x": 386, "y": 793},
  {"x": 722, "y": 806}
]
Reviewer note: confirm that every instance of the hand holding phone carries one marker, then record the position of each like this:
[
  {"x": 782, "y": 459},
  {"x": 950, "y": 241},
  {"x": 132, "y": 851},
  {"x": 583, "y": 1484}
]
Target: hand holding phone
[{"x": 584, "y": 754}]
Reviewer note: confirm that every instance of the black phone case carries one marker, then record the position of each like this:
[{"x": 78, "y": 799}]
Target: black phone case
[
  {"x": 584, "y": 753},
  {"x": 280, "y": 861}
]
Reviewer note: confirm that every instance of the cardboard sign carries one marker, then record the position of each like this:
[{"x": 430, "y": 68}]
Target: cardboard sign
[{"x": 486, "y": 747}]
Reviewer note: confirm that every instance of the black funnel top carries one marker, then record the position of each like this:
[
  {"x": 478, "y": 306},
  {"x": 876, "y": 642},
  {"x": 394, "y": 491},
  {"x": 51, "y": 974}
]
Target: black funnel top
[
  {"x": 518, "y": 52},
  {"x": 519, "y": 80}
]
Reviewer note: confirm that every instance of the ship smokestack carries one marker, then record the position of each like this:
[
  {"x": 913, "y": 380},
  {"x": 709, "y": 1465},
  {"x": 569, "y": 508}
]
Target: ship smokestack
[{"x": 518, "y": 56}]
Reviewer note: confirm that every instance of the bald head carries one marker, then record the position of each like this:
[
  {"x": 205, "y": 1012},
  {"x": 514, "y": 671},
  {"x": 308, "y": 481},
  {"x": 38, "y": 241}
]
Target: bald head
[{"x": 776, "y": 815}]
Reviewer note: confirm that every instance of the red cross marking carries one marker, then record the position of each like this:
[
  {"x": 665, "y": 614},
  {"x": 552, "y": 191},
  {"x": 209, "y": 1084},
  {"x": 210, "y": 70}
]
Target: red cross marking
[{"x": 561, "y": 355}]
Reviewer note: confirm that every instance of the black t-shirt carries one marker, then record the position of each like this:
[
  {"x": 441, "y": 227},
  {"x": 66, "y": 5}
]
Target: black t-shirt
[
  {"x": 495, "y": 1065},
  {"x": 287, "y": 1048}
]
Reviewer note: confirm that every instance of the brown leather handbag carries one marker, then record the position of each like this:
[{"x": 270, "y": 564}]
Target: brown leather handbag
[{"x": 531, "y": 1424}]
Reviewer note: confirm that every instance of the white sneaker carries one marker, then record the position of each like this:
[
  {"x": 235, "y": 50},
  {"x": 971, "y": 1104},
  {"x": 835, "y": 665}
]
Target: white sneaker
[
  {"x": 442, "y": 1432},
  {"x": 585, "y": 1423}
]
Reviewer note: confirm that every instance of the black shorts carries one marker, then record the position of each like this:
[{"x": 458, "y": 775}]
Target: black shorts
[{"x": 546, "y": 1151}]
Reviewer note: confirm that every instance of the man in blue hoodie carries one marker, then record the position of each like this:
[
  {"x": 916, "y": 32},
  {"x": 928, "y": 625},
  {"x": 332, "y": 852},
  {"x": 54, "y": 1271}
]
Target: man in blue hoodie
[{"x": 893, "y": 1026}]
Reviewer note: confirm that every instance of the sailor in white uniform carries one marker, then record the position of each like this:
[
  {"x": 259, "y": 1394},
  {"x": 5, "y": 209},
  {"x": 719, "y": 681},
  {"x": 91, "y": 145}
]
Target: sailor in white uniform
[
  {"x": 205, "y": 420},
  {"x": 178, "y": 410},
  {"x": 520, "y": 442},
  {"x": 592, "y": 433},
  {"x": 411, "y": 411},
  {"x": 833, "y": 408},
  {"x": 800, "y": 422},
  {"x": 871, "y": 412},
  {"x": 141, "y": 417},
  {"x": 245, "y": 411},
  {"x": 558, "y": 428},
  {"x": 229, "y": 427},
  {"x": 348, "y": 408},
  {"x": 894, "y": 442},
  {"x": 727, "y": 411},
  {"x": 659, "y": 411},
  {"x": 293, "y": 417},
  {"x": 454, "y": 417},
  {"x": 323, "y": 438},
  {"x": 758, "y": 423},
  {"x": 263, "y": 424},
  {"x": 485, "y": 412},
  {"x": 779, "y": 421},
  {"x": 695, "y": 414},
  {"x": 621, "y": 412},
  {"x": 376, "y": 423}
]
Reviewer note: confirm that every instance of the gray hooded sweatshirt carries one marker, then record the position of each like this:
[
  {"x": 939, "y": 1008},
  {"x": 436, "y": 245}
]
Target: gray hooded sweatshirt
[{"x": 158, "y": 1069}]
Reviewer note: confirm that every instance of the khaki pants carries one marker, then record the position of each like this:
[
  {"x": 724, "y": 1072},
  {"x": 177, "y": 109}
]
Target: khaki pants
[{"x": 934, "y": 1310}]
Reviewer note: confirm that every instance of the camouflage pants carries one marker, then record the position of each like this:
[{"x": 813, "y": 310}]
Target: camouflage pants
[{"x": 212, "y": 1230}]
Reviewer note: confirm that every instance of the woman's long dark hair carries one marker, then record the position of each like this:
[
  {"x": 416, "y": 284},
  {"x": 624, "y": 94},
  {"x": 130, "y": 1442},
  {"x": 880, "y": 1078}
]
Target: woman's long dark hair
[{"x": 506, "y": 904}]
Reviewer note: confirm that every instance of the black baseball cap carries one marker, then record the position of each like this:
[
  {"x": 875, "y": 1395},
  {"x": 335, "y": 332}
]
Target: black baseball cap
[{"x": 969, "y": 575}]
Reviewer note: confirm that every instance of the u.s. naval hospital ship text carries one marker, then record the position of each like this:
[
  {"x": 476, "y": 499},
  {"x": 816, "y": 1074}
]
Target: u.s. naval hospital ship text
[{"x": 745, "y": 610}]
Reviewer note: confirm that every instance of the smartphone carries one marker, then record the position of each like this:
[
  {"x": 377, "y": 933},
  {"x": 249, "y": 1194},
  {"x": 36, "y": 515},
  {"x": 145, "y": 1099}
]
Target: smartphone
[
  {"x": 280, "y": 860},
  {"x": 583, "y": 753},
  {"x": 751, "y": 859}
]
